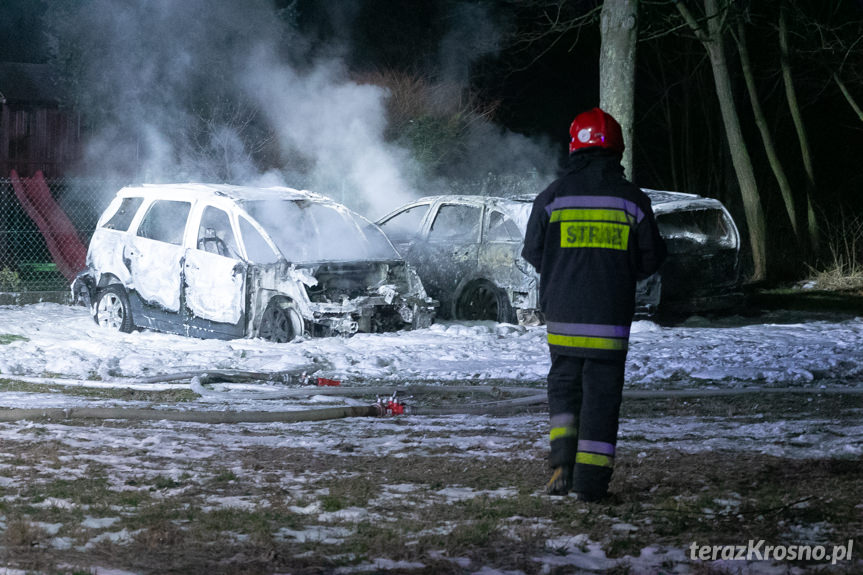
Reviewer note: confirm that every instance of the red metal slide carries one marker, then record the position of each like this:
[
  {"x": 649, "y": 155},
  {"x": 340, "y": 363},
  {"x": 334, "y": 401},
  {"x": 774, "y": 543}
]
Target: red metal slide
[{"x": 65, "y": 247}]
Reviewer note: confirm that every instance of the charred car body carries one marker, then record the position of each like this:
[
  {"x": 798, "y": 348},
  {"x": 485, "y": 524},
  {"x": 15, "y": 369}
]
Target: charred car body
[
  {"x": 220, "y": 261},
  {"x": 467, "y": 250}
]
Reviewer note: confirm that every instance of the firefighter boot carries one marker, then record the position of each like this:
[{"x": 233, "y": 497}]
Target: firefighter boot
[
  {"x": 589, "y": 497},
  {"x": 561, "y": 481},
  {"x": 561, "y": 458}
]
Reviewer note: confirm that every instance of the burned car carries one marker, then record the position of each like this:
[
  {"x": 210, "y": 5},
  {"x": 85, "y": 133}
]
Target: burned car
[
  {"x": 221, "y": 261},
  {"x": 467, "y": 250}
]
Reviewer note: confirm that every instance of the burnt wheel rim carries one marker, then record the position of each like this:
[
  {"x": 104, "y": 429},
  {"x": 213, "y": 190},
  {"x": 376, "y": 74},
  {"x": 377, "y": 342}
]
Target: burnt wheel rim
[
  {"x": 276, "y": 325},
  {"x": 481, "y": 304},
  {"x": 111, "y": 311}
]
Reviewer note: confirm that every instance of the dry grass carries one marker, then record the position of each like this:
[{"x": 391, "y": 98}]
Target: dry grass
[
  {"x": 282, "y": 508},
  {"x": 840, "y": 277},
  {"x": 20, "y": 533},
  {"x": 843, "y": 270}
]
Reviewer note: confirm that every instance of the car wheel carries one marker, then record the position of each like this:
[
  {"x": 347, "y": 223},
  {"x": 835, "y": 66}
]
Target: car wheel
[
  {"x": 482, "y": 300},
  {"x": 112, "y": 310},
  {"x": 280, "y": 323}
]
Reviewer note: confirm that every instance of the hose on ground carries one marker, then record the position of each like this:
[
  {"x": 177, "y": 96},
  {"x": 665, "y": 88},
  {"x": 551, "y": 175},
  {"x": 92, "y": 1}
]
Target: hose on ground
[
  {"x": 138, "y": 414},
  {"x": 504, "y": 407},
  {"x": 320, "y": 414}
]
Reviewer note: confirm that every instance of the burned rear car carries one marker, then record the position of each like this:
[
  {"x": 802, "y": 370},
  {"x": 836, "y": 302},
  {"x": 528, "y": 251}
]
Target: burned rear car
[
  {"x": 467, "y": 250},
  {"x": 702, "y": 270},
  {"x": 220, "y": 261}
]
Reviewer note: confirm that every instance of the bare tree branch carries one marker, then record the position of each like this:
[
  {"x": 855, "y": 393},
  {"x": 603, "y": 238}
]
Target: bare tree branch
[
  {"x": 692, "y": 22},
  {"x": 761, "y": 123},
  {"x": 712, "y": 39},
  {"x": 845, "y": 92},
  {"x": 800, "y": 127}
]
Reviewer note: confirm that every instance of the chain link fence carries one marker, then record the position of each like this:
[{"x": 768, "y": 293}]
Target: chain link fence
[{"x": 45, "y": 227}]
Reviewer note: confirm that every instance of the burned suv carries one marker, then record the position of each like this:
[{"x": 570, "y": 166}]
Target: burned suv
[
  {"x": 220, "y": 261},
  {"x": 467, "y": 250}
]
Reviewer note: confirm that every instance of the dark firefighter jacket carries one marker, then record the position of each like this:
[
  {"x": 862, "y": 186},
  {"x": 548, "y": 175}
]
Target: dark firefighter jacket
[{"x": 591, "y": 236}]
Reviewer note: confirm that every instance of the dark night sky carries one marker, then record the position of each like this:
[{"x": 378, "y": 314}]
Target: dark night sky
[
  {"x": 540, "y": 96},
  {"x": 535, "y": 97},
  {"x": 20, "y": 31}
]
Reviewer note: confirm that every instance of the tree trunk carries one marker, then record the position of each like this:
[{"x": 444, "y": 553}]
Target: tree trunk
[
  {"x": 715, "y": 46},
  {"x": 766, "y": 137},
  {"x": 848, "y": 97},
  {"x": 619, "y": 28},
  {"x": 794, "y": 107}
]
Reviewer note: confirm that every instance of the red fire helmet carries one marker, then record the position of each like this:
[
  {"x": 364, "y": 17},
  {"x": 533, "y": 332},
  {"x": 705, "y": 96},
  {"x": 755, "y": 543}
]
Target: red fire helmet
[{"x": 595, "y": 129}]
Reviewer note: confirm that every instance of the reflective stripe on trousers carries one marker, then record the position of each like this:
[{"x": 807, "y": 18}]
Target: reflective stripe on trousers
[
  {"x": 584, "y": 405},
  {"x": 588, "y": 335}
]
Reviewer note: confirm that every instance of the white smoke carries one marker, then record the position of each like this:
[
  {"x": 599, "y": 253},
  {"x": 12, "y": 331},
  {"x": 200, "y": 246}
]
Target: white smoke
[
  {"x": 337, "y": 125},
  {"x": 495, "y": 160},
  {"x": 472, "y": 34},
  {"x": 232, "y": 92},
  {"x": 149, "y": 77}
]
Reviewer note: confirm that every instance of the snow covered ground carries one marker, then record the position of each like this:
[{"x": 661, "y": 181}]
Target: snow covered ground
[
  {"x": 779, "y": 350},
  {"x": 61, "y": 345}
]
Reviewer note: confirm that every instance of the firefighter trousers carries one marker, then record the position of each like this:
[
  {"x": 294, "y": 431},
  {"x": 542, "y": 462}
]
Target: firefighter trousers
[{"x": 584, "y": 398}]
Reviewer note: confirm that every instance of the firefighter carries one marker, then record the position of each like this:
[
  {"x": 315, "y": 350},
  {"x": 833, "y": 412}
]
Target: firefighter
[{"x": 591, "y": 236}]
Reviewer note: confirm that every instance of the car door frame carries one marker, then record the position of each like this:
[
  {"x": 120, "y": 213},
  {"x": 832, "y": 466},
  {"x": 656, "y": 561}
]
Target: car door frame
[
  {"x": 404, "y": 248},
  {"x": 230, "y": 286},
  {"x": 498, "y": 260},
  {"x": 149, "y": 311},
  {"x": 449, "y": 297}
]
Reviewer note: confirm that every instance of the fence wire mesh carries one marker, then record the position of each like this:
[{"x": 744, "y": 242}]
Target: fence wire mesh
[{"x": 45, "y": 224}]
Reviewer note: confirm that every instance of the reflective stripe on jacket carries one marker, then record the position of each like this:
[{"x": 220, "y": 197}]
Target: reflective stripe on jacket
[{"x": 591, "y": 236}]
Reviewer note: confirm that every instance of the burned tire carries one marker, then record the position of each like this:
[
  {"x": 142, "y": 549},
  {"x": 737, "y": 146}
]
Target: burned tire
[
  {"x": 281, "y": 322},
  {"x": 482, "y": 300},
  {"x": 112, "y": 310}
]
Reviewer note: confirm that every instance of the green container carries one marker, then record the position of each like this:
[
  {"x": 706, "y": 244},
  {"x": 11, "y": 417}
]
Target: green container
[{"x": 41, "y": 276}]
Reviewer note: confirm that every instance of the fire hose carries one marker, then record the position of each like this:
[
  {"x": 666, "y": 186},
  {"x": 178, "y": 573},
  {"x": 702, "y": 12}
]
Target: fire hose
[
  {"x": 382, "y": 408},
  {"x": 529, "y": 399}
]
